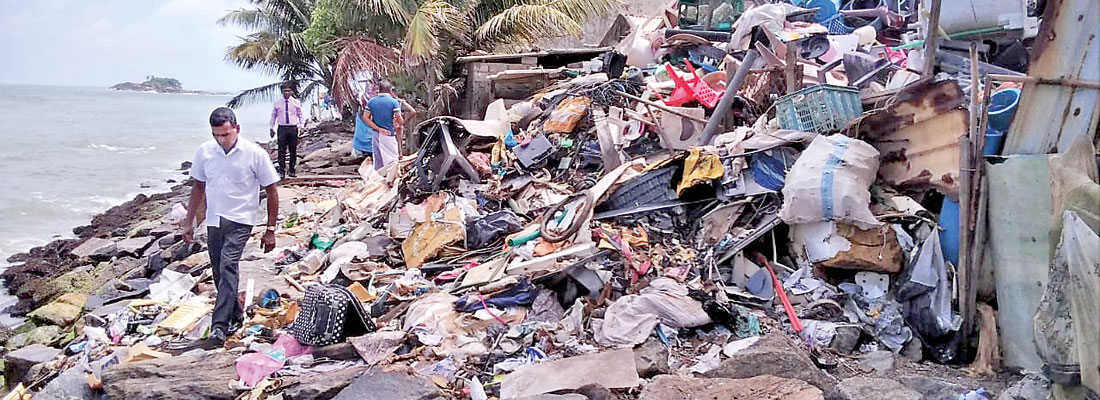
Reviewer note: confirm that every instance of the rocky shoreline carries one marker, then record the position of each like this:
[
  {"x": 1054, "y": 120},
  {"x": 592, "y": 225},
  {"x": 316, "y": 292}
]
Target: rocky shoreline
[{"x": 45, "y": 273}]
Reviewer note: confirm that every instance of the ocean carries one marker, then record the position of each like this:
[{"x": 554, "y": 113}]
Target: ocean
[{"x": 68, "y": 153}]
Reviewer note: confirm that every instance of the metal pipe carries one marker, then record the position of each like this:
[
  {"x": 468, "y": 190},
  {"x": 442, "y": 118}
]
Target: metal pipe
[
  {"x": 732, "y": 87},
  {"x": 1047, "y": 81},
  {"x": 713, "y": 36}
]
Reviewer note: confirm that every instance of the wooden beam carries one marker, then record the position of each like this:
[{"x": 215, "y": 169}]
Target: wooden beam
[
  {"x": 965, "y": 268},
  {"x": 931, "y": 40},
  {"x": 793, "y": 69},
  {"x": 660, "y": 106}
]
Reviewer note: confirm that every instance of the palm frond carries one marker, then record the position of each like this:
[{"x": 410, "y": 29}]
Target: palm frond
[
  {"x": 481, "y": 11},
  {"x": 357, "y": 55},
  {"x": 527, "y": 23},
  {"x": 254, "y": 53},
  {"x": 444, "y": 94},
  {"x": 583, "y": 10},
  {"x": 310, "y": 87},
  {"x": 255, "y": 95},
  {"x": 295, "y": 13},
  {"x": 433, "y": 22},
  {"x": 250, "y": 19},
  {"x": 396, "y": 11}
]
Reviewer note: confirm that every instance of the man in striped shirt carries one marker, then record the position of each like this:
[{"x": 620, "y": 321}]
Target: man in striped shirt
[{"x": 286, "y": 121}]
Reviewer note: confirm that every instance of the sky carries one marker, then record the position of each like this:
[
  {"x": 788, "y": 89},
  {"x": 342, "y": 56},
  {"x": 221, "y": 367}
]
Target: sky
[{"x": 104, "y": 42}]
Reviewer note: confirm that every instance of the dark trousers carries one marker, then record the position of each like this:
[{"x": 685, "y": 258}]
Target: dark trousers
[
  {"x": 288, "y": 141},
  {"x": 226, "y": 245}
]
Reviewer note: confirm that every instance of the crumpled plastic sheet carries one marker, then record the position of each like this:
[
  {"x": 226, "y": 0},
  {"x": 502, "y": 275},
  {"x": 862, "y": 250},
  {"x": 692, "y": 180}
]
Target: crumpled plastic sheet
[
  {"x": 631, "y": 319},
  {"x": 483, "y": 232},
  {"x": 883, "y": 316},
  {"x": 925, "y": 291},
  {"x": 1066, "y": 317},
  {"x": 254, "y": 367},
  {"x": 520, "y": 294}
]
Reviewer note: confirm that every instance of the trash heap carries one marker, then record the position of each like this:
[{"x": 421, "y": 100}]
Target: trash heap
[{"x": 758, "y": 203}]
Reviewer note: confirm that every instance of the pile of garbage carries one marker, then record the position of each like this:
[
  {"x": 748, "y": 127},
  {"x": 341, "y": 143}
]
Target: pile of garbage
[{"x": 755, "y": 196}]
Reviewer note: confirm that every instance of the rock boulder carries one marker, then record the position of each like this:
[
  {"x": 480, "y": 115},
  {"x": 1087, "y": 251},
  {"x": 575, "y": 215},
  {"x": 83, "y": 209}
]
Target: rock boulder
[
  {"x": 774, "y": 355},
  {"x": 97, "y": 248},
  {"x": 18, "y": 363},
  {"x": 764, "y": 387},
  {"x": 321, "y": 385},
  {"x": 863, "y": 388},
  {"x": 206, "y": 376},
  {"x": 63, "y": 311},
  {"x": 134, "y": 246},
  {"x": 390, "y": 385}
]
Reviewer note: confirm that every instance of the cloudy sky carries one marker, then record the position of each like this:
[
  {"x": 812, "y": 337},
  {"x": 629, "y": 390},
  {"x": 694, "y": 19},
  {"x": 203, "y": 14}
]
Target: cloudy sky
[{"x": 103, "y": 42}]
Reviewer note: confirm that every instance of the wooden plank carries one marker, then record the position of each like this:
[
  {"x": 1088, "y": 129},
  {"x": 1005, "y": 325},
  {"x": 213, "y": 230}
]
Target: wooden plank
[
  {"x": 1050, "y": 117},
  {"x": 931, "y": 40}
]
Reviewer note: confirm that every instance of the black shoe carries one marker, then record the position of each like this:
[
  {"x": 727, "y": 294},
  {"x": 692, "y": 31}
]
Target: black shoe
[
  {"x": 217, "y": 336},
  {"x": 235, "y": 325},
  {"x": 293, "y": 174}
]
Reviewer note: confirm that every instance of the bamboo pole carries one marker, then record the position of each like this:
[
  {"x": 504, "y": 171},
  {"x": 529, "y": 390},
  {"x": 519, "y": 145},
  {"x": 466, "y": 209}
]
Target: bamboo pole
[
  {"x": 661, "y": 107},
  {"x": 931, "y": 40}
]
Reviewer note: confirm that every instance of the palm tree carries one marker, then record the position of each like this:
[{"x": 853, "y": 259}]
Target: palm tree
[
  {"x": 329, "y": 42},
  {"x": 277, "y": 47},
  {"x": 438, "y": 31}
]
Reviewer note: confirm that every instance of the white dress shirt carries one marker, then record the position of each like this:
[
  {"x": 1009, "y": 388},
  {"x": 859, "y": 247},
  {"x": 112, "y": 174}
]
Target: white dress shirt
[{"x": 233, "y": 180}]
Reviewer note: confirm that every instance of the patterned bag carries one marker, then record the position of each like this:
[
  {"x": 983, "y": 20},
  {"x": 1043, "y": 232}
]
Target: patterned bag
[{"x": 329, "y": 314}]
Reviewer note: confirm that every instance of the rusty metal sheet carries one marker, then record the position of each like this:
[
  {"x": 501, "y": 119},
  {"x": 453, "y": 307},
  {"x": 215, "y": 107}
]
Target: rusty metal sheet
[
  {"x": 918, "y": 136},
  {"x": 912, "y": 105},
  {"x": 1050, "y": 117},
  {"x": 924, "y": 155}
]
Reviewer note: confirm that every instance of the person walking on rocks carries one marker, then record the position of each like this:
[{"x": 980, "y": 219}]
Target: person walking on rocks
[
  {"x": 382, "y": 114},
  {"x": 229, "y": 172},
  {"x": 286, "y": 121}
]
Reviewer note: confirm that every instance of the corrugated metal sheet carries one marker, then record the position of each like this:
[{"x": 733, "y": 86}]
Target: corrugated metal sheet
[{"x": 1068, "y": 46}]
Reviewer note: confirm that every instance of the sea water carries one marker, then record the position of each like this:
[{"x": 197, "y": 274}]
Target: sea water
[{"x": 68, "y": 153}]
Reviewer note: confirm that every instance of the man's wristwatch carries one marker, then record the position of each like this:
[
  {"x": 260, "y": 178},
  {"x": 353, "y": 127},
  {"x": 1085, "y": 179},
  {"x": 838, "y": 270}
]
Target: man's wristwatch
[{"x": 271, "y": 228}]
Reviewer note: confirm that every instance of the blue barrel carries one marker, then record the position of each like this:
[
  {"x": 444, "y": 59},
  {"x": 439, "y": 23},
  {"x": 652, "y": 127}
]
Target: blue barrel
[
  {"x": 1002, "y": 108},
  {"x": 949, "y": 236},
  {"x": 949, "y": 212},
  {"x": 826, "y": 9}
]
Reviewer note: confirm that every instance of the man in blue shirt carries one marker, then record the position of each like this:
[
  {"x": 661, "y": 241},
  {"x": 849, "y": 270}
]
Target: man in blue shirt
[{"x": 383, "y": 113}]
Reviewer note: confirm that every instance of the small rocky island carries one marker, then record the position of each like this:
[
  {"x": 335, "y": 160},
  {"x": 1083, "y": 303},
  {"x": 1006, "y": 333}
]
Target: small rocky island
[{"x": 160, "y": 85}]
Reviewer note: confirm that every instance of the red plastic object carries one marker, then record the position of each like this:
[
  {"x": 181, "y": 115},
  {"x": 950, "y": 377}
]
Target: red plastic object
[
  {"x": 796, "y": 323},
  {"x": 693, "y": 88},
  {"x": 680, "y": 94}
]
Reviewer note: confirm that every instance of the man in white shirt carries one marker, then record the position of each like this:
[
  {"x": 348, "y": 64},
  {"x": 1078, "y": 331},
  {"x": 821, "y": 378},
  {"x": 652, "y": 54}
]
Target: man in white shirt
[
  {"x": 286, "y": 115},
  {"x": 229, "y": 172}
]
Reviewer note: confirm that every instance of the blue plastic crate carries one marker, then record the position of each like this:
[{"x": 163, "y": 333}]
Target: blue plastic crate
[{"x": 821, "y": 108}]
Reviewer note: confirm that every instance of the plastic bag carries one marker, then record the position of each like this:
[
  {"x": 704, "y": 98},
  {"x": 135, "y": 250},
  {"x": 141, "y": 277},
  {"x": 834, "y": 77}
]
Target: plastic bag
[
  {"x": 485, "y": 231},
  {"x": 1066, "y": 317},
  {"x": 566, "y": 116},
  {"x": 830, "y": 182}
]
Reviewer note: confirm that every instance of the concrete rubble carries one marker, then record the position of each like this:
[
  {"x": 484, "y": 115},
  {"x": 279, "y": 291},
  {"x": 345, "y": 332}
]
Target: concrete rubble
[{"x": 789, "y": 204}]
